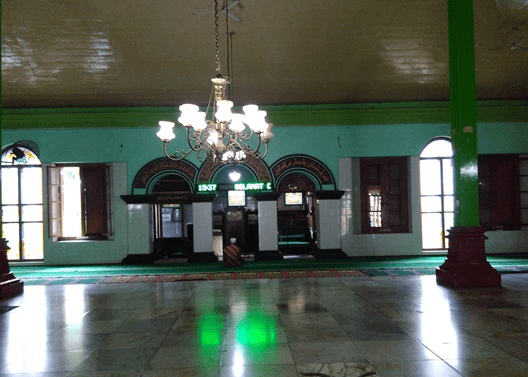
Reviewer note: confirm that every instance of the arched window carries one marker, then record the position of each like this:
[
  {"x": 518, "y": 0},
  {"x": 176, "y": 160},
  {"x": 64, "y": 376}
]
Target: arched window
[
  {"x": 22, "y": 216},
  {"x": 436, "y": 193}
]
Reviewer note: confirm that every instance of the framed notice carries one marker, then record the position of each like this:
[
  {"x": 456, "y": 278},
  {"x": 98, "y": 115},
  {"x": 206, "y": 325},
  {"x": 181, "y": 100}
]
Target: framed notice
[
  {"x": 236, "y": 198},
  {"x": 293, "y": 198}
]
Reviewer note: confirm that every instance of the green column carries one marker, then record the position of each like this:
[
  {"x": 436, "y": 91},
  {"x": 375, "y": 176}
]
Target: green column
[{"x": 463, "y": 111}]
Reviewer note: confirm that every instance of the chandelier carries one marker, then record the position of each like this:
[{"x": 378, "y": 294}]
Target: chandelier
[{"x": 227, "y": 137}]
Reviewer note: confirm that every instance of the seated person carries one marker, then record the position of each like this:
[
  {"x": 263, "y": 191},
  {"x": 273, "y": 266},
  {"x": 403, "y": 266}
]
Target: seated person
[{"x": 232, "y": 255}]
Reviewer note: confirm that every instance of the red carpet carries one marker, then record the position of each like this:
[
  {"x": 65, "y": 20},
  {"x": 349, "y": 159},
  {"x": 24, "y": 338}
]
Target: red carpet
[{"x": 231, "y": 276}]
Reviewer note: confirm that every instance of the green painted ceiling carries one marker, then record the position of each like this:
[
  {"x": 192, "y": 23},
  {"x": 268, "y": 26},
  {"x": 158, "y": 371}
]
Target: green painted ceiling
[{"x": 137, "y": 53}]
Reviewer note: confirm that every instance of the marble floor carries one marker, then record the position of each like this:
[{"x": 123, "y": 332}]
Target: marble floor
[{"x": 373, "y": 326}]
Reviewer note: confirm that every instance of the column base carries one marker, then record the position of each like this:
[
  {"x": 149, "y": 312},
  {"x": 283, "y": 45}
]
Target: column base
[
  {"x": 329, "y": 254},
  {"x": 9, "y": 285},
  {"x": 466, "y": 264}
]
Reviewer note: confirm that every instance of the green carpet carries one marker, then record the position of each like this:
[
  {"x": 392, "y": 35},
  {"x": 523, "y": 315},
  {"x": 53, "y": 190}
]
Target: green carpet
[
  {"x": 382, "y": 266},
  {"x": 286, "y": 264}
]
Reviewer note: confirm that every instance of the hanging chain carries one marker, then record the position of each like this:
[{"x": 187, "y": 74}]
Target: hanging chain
[{"x": 217, "y": 41}]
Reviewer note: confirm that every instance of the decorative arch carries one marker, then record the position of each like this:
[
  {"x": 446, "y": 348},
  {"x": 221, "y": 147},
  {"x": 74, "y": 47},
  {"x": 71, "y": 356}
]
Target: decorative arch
[
  {"x": 307, "y": 165},
  {"x": 431, "y": 149},
  {"x": 295, "y": 182},
  {"x": 168, "y": 182},
  {"x": 156, "y": 169},
  {"x": 23, "y": 152},
  {"x": 256, "y": 165}
]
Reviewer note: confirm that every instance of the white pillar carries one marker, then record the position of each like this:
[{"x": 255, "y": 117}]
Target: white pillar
[
  {"x": 203, "y": 227},
  {"x": 267, "y": 225},
  {"x": 328, "y": 224},
  {"x": 328, "y": 217},
  {"x": 139, "y": 235}
]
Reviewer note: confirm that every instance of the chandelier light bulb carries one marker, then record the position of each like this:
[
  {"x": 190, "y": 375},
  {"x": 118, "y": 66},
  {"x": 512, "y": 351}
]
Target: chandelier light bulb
[
  {"x": 237, "y": 123},
  {"x": 234, "y": 176},
  {"x": 199, "y": 123},
  {"x": 224, "y": 114},
  {"x": 258, "y": 122},
  {"x": 188, "y": 113},
  {"x": 213, "y": 138},
  {"x": 248, "y": 109},
  {"x": 267, "y": 136},
  {"x": 165, "y": 132},
  {"x": 240, "y": 155}
]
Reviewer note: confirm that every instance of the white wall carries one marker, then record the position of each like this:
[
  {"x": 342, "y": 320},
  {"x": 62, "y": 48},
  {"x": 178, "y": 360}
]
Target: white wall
[
  {"x": 139, "y": 229},
  {"x": 353, "y": 243},
  {"x": 93, "y": 252},
  {"x": 506, "y": 241}
]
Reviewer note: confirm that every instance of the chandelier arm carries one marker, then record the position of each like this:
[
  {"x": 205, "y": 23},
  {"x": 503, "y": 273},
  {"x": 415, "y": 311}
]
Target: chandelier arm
[
  {"x": 177, "y": 155},
  {"x": 235, "y": 144},
  {"x": 245, "y": 136},
  {"x": 200, "y": 154},
  {"x": 259, "y": 142},
  {"x": 192, "y": 138},
  {"x": 265, "y": 151},
  {"x": 197, "y": 139}
]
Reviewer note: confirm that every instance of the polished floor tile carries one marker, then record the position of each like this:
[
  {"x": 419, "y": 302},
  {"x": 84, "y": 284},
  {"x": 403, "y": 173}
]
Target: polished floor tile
[
  {"x": 385, "y": 326},
  {"x": 186, "y": 357},
  {"x": 417, "y": 368},
  {"x": 312, "y": 327},
  {"x": 326, "y": 352},
  {"x": 337, "y": 370}
]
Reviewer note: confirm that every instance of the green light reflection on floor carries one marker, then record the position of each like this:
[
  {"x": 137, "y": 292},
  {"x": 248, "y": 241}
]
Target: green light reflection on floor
[
  {"x": 210, "y": 329},
  {"x": 256, "y": 330}
]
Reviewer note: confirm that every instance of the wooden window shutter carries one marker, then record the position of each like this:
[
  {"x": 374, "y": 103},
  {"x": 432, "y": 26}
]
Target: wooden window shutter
[
  {"x": 95, "y": 200},
  {"x": 54, "y": 202}
]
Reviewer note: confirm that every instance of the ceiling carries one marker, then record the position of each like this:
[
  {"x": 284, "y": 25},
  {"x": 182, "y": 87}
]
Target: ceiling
[{"x": 113, "y": 53}]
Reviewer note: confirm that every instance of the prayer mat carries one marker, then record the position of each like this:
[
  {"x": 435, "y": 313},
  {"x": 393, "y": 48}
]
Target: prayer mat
[
  {"x": 247, "y": 275},
  {"x": 243, "y": 275},
  {"x": 204, "y": 276},
  {"x": 298, "y": 274},
  {"x": 170, "y": 278}
]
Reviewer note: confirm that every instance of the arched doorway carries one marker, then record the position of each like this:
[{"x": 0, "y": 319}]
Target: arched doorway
[
  {"x": 436, "y": 193},
  {"x": 296, "y": 214},
  {"x": 22, "y": 212},
  {"x": 235, "y": 212},
  {"x": 172, "y": 218}
]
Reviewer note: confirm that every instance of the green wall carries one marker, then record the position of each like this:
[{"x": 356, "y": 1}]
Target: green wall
[
  {"x": 137, "y": 146},
  {"x": 326, "y": 132},
  {"x": 329, "y": 133}
]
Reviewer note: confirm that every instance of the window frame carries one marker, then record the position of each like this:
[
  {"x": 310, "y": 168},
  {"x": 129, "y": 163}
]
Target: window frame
[
  {"x": 384, "y": 180},
  {"x": 491, "y": 184},
  {"x": 90, "y": 212},
  {"x": 19, "y": 167}
]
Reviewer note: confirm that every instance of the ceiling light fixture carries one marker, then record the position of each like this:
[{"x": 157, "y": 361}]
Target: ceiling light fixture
[
  {"x": 234, "y": 176},
  {"x": 226, "y": 137}
]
